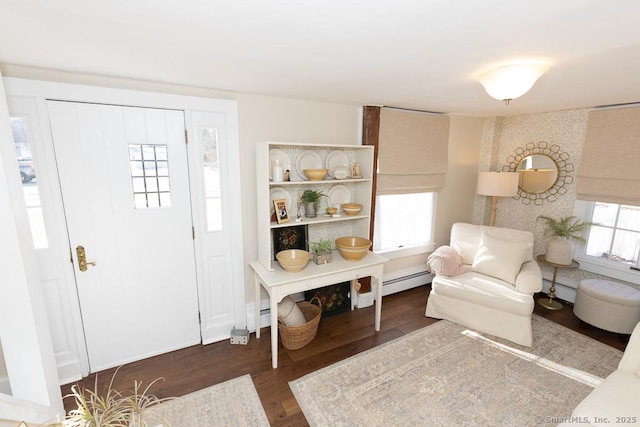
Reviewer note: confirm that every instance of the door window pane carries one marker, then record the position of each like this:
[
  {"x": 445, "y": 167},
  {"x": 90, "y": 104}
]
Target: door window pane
[
  {"x": 213, "y": 200},
  {"x": 21, "y": 131},
  {"x": 149, "y": 176}
]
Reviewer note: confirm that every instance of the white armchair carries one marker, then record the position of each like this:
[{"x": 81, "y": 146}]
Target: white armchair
[{"x": 492, "y": 290}]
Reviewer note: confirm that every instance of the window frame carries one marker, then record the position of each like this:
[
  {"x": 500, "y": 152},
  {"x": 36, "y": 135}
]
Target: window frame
[{"x": 614, "y": 269}]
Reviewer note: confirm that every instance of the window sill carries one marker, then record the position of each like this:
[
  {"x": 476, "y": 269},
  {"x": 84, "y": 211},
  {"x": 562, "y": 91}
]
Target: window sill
[
  {"x": 620, "y": 272},
  {"x": 405, "y": 252}
]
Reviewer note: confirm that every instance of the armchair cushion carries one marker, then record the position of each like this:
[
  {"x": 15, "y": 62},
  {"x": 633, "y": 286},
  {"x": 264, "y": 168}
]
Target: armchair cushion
[{"x": 500, "y": 258}]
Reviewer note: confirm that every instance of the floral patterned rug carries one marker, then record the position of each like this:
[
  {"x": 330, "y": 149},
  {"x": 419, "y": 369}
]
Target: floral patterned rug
[
  {"x": 231, "y": 403},
  {"x": 448, "y": 375}
]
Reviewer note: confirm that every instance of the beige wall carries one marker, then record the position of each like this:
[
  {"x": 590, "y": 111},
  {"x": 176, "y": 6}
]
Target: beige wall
[
  {"x": 456, "y": 200},
  {"x": 502, "y": 136},
  {"x": 276, "y": 119}
]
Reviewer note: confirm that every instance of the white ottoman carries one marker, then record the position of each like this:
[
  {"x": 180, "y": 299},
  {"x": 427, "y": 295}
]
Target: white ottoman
[{"x": 608, "y": 305}]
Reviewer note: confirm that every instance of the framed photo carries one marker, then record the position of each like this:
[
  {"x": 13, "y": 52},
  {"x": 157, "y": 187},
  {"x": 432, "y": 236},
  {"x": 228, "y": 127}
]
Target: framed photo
[{"x": 282, "y": 210}]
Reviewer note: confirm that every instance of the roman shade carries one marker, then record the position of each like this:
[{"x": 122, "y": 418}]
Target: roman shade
[
  {"x": 608, "y": 170},
  {"x": 412, "y": 152}
]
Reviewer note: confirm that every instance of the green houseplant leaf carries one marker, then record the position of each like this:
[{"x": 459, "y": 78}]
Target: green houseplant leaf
[
  {"x": 312, "y": 196},
  {"x": 568, "y": 227},
  {"x": 322, "y": 246}
]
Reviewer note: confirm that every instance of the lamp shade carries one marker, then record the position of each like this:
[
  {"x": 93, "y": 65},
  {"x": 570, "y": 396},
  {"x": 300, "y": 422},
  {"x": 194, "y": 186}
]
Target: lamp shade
[
  {"x": 511, "y": 81},
  {"x": 502, "y": 184}
]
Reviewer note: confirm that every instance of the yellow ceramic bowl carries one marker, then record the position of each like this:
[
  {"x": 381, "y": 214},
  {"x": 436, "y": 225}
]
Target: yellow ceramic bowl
[
  {"x": 351, "y": 208},
  {"x": 293, "y": 260},
  {"x": 331, "y": 210},
  {"x": 353, "y": 248},
  {"x": 315, "y": 174}
]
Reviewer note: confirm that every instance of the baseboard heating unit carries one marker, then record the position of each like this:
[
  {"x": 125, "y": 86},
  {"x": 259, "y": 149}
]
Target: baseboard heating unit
[{"x": 405, "y": 279}]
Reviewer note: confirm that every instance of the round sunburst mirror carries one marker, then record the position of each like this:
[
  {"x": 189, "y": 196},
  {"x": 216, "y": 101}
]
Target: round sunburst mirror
[
  {"x": 538, "y": 173},
  {"x": 544, "y": 172}
]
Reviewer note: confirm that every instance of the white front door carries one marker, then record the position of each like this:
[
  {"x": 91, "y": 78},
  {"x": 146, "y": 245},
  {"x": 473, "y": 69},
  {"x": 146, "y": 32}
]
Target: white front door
[{"x": 125, "y": 187}]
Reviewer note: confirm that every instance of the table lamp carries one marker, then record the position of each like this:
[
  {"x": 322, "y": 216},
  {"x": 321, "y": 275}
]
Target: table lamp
[{"x": 497, "y": 184}]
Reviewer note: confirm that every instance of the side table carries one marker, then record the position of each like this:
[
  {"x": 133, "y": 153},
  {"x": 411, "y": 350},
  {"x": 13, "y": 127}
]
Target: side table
[
  {"x": 550, "y": 303},
  {"x": 279, "y": 283}
]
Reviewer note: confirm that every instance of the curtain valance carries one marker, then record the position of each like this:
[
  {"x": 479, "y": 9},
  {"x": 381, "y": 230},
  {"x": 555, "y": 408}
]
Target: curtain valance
[
  {"x": 412, "y": 152},
  {"x": 609, "y": 168}
]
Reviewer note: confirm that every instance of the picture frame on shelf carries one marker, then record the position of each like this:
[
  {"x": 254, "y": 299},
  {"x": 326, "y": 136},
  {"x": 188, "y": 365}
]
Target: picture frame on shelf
[
  {"x": 281, "y": 210},
  {"x": 294, "y": 237}
]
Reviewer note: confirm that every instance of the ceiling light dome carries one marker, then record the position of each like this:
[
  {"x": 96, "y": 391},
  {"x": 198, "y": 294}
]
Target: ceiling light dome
[{"x": 511, "y": 81}]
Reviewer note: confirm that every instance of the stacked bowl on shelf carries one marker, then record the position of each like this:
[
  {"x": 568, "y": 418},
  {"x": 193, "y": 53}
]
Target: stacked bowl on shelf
[
  {"x": 353, "y": 248},
  {"x": 315, "y": 174},
  {"x": 293, "y": 260},
  {"x": 351, "y": 209}
]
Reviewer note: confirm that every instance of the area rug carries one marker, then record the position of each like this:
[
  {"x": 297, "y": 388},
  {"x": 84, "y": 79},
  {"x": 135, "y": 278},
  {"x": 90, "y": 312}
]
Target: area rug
[
  {"x": 448, "y": 375},
  {"x": 231, "y": 403}
]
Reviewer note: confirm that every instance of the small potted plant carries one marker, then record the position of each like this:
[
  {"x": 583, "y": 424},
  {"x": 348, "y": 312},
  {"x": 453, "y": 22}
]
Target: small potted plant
[
  {"x": 113, "y": 408},
  {"x": 562, "y": 231},
  {"x": 311, "y": 200},
  {"x": 321, "y": 251}
]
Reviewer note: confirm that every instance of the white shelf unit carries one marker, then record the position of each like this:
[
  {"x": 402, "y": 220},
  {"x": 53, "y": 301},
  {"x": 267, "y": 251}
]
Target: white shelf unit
[{"x": 325, "y": 227}]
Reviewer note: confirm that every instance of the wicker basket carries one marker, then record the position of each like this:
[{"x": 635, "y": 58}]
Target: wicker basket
[{"x": 296, "y": 337}]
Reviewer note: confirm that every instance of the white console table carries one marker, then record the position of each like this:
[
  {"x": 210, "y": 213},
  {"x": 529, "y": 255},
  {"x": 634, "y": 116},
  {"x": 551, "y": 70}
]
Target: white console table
[{"x": 279, "y": 283}]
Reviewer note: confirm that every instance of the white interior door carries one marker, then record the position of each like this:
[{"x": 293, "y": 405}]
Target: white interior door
[{"x": 124, "y": 179}]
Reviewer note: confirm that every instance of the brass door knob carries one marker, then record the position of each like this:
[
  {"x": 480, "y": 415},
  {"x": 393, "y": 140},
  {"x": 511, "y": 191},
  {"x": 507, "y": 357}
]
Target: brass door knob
[{"x": 82, "y": 259}]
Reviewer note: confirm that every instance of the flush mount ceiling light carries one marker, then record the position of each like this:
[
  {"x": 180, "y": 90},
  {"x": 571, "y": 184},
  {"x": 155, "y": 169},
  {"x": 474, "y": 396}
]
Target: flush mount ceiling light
[{"x": 511, "y": 81}]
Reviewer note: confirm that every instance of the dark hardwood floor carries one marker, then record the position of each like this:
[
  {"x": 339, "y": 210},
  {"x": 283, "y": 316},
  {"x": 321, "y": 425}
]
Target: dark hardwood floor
[{"x": 338, "y": 337}]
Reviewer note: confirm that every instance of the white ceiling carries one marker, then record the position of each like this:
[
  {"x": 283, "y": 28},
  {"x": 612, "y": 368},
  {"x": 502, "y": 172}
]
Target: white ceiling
[{"x": 416, "y": 54}]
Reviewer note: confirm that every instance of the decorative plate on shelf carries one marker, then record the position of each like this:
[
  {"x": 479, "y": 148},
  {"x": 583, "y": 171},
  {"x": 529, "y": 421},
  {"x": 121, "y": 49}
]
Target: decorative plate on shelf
[
  {"x": 308, "y": 160},
  {"x": 334, "y": 159},
  {"x": 341, "y": 172},
  {"x": 277, "y": 154},
  {"x": 338, "y": 195},
  {"x": 279, "y": 193}
]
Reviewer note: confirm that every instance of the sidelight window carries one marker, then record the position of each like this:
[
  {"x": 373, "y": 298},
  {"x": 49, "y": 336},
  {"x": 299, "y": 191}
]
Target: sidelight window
[
  {"x": 211, "y": 173},
  {"x": 21, "y": 131}
]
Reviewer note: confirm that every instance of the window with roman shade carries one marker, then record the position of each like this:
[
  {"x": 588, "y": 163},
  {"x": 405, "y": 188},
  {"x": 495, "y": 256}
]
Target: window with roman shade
[
  {"x": 412, "y": 152},
  {"x": 609, "y": 169}
]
